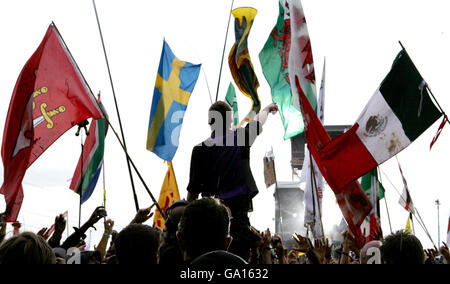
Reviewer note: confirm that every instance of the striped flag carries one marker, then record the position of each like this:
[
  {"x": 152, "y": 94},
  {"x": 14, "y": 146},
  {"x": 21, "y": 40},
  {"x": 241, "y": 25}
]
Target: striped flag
[
  {"x": 399, "y": 112},
  {"x": 84, "y": 181},
  {"x": 175, "y": 82}
]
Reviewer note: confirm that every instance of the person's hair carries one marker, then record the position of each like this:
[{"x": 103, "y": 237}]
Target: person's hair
[
  {"x": 224, "y": 111},
  {"x": 26, "y": 248},
  {"x": 137, "y": 244},
  {"x": 169, "y": 251},
  {"x": 402, "y": 248},
  {"x": 204, "y": 227}
]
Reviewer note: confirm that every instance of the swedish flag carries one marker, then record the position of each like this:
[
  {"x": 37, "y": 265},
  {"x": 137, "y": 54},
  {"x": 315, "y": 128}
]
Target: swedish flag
[{"x": 174, "y": 84}]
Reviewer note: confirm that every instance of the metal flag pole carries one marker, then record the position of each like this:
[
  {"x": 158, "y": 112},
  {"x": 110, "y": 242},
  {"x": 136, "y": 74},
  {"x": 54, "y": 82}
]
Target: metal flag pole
[
  {"x": 117, "y": 108},
  {"x": 223, "y": 53},
  {"x": 81, "y": 181},
  {"x": 439, "y": 226}
]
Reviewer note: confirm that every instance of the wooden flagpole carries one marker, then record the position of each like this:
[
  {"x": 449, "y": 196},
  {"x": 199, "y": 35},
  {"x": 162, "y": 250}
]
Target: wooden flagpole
[{"x": 117, "y": 108}]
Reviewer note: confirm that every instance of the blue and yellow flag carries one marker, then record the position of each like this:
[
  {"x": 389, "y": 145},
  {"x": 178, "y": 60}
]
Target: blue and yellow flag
[{"x": 174, "y": 84}]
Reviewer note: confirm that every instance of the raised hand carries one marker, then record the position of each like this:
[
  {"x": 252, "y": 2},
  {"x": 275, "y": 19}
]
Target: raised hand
[
  {"x": 109, "y": 224},
  {"x": 292, "y": 257},
  {"x": 60, "y": 224},
  {"x": 431, "y": 253},
  {"x": 143, "y": 215},
  {"x": 303, "y": 244},
  {"x": 445, "y": 252},
  {"x": 349, "y": 241},
  {"x": 322, "y": 250},
  {"x": 44, "y": 233},
  {"x": 98, "y": 213},
  {"x": 378, "y": 234}
]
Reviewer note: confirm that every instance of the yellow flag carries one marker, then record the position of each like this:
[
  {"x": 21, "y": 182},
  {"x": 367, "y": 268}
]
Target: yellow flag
[
  {"x": 408, "y": 226},
  {"x": 169, "y": 194}
]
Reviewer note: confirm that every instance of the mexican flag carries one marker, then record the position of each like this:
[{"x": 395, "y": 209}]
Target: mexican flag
[
  {"x": 274, "y": 59},
  {"x": 400, "y": 111}
]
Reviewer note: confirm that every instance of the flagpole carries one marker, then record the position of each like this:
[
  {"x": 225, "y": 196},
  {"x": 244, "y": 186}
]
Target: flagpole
[
  {"x": 419, "y": 219},
  {"x": 223, "y": 53},
  {"x": 117, "y": 108},
  {"x": 385, "y": 202},
  {"x": 412, "y": 223},
  {"x": 81, "y": 180},
  {"x": 131, "y": 161},
  {"x": 439, "y": 226},
  {"x": 314, "y": 188},
  {"x": 278, "y": 196}
]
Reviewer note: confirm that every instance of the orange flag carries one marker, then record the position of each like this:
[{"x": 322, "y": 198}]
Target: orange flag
[{"x": 169, "y": 194}]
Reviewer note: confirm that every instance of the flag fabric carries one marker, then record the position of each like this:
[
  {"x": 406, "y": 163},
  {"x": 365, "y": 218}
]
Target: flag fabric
[
  {"x": 369, "y": 182},
  {"x": 231, "y": 99},
  {"x": 241, "y": 66},
  {"x": 405, "y": 200},
  {"x": 50, "y": 97},
  {"x": 269, "y": 169},
  {"x": 351, "y": 199},
  {"x": 84, "y": 181},
  {"x": 274, "y": 59},
  {"x": 314, "y": 180},
  {"x": 175, "y": 82},
  {"x": 301, "y": 62},
  {"x": 374, "y": 191},
  {"x": 441, "y": 127},
  {"x": 169, "y": 194},
  {"x": 408, "y": 229},
  {"x": 398, "y": 112}
]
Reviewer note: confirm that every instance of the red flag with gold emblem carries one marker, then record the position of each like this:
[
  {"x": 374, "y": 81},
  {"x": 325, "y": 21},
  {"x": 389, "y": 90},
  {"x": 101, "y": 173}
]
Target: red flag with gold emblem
[
  {"x": 169, "y": 194},
  {"x": 50, "y": 97}
]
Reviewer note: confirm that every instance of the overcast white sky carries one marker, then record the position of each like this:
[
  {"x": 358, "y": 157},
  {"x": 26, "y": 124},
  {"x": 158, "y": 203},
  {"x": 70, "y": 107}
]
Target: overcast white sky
[{"x": 358, "y": 38}]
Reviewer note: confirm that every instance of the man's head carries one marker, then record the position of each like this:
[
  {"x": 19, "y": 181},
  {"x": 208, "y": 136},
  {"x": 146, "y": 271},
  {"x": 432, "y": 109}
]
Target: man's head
[
  {"x": 26, "y": 248},
  {"x": 204, "y": 227},
  {"x": 220, "y": 117},
  {"x": 402, "y": 248},
  {"x": 137, "y": 244}
]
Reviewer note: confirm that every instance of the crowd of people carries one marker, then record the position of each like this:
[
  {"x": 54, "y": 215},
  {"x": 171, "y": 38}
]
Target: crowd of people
[
  {"x": 198, "y": 233},
  {"x": 213, "y": 229}
]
